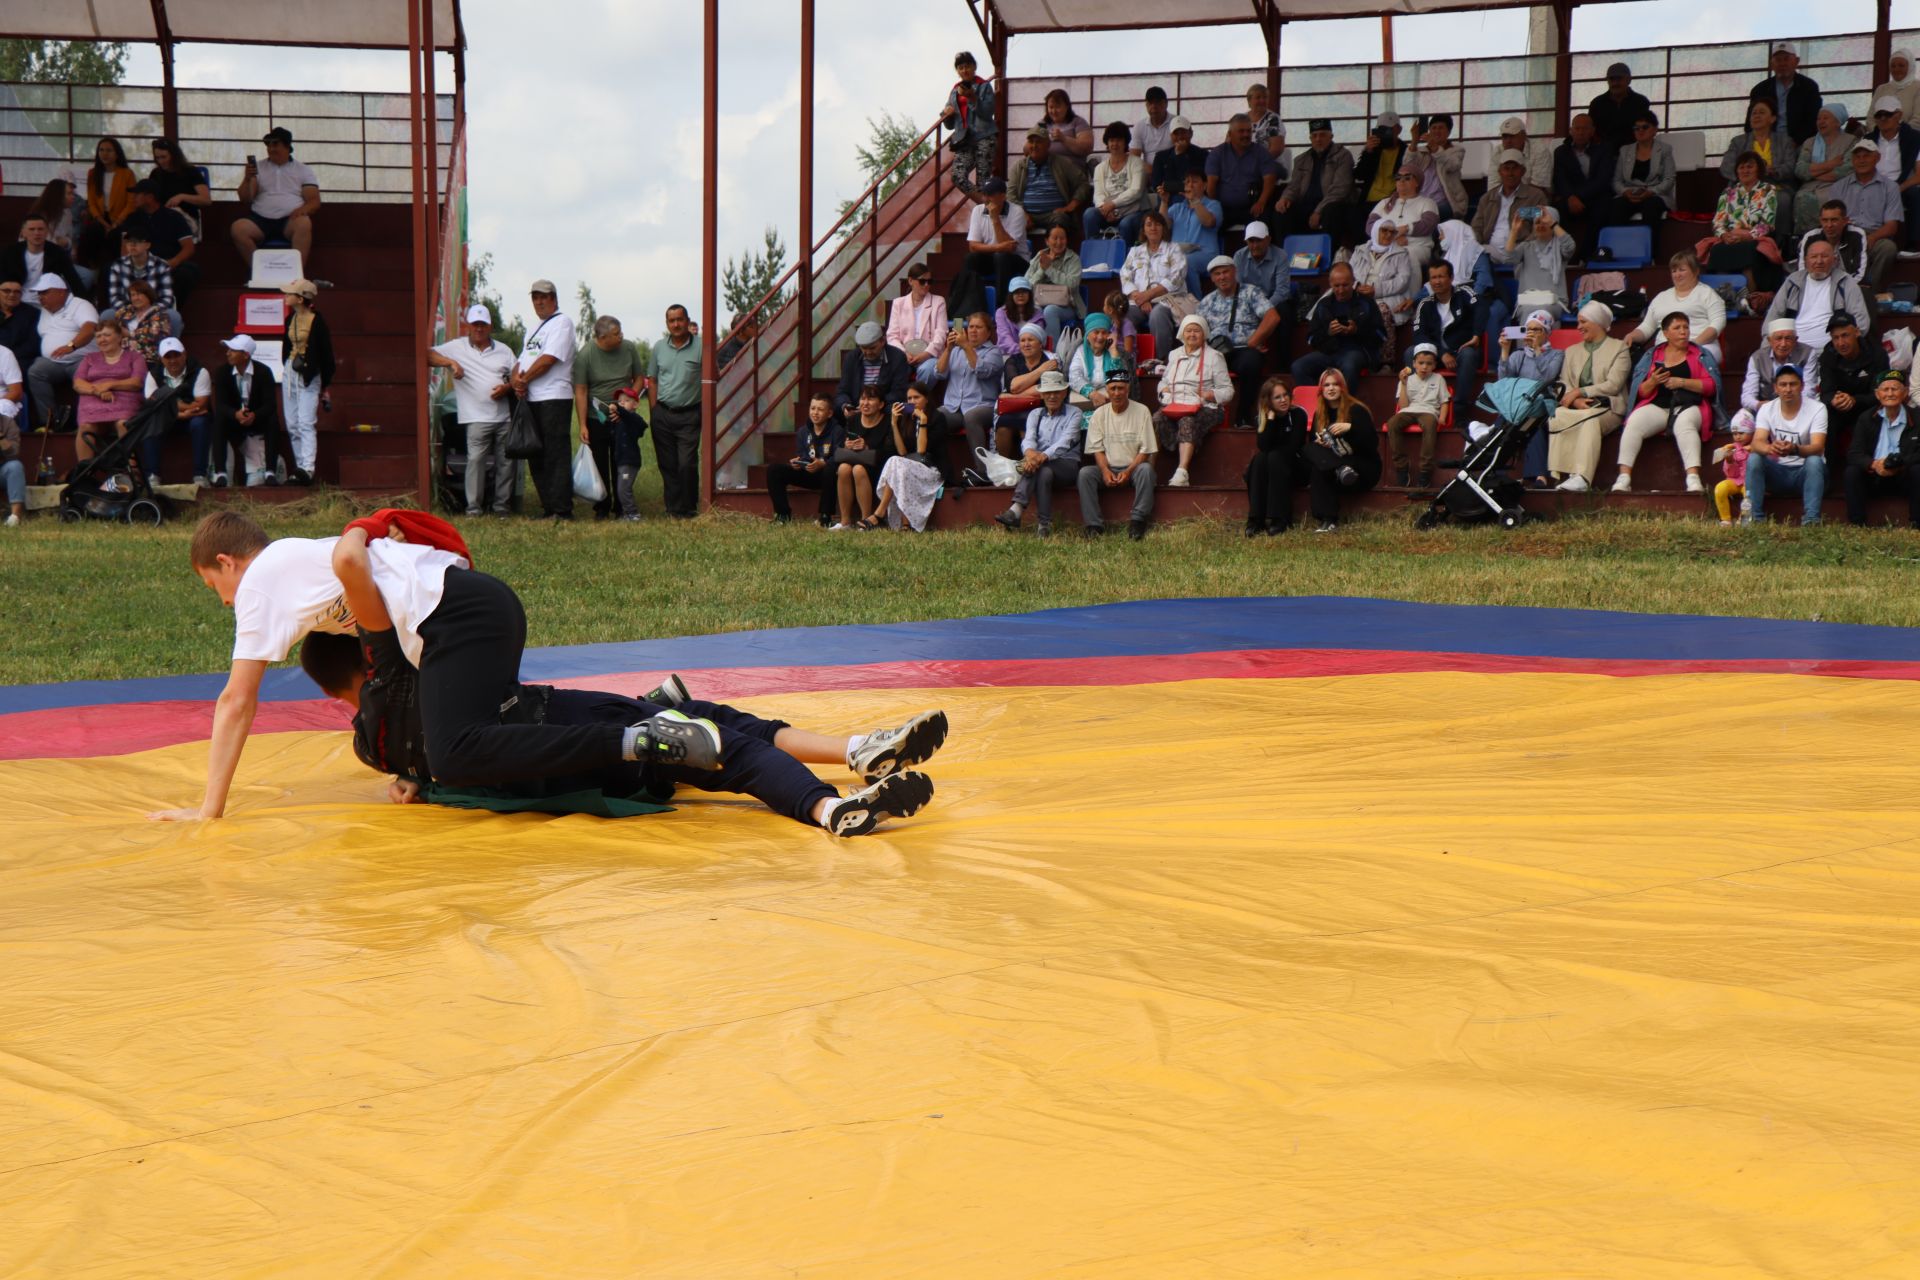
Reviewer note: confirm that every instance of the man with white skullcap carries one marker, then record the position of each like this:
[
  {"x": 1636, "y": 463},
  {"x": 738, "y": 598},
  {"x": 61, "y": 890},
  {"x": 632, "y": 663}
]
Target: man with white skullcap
[{"x": 1783, "y": 346}]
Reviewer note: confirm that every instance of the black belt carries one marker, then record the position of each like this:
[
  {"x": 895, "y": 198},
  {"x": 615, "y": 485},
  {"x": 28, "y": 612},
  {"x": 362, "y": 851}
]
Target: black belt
[{"x": 680, "y": 408}]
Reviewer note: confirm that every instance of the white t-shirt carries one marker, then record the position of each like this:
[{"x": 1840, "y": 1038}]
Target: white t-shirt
[
  {"x": 279, "y": 187},
  {"x": 1013, "y": 218},
  {"x": 1888, "y": 165},
  {"x": 1150, "y": 139},
  {"x": 202, "y": 386},
  {"x": 289, "y": 590},
  {"x": 551, "y": 337},
  {"x": 1811, "y": 421},
  {"x": 58, "y": 328},
  {"x": 484, "y": 370},
  {"x": 1426, "y": 395},
  {"x": 36, "y": 267},
  {"x": 1816, "y": 308},
  {"x": 9, "y": 369}
]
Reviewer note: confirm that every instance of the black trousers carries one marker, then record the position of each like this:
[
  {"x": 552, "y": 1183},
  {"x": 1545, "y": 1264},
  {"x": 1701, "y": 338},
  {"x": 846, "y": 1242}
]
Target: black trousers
[
  {"x": 553, "y": 469},
  {"x": 1244, "y": 365},
  {"x": 676, "y": 447},
  {"x": 227, "y": 432},
  {"x": 1324, "y": 485},
  {"x": 754, "y": 766},
  {"x": 783, "y": 475},
  {"x": 470, "y": 666},
  {"x": 1271, "y": 477},
  {"x": 603, "y": 442},
  {"x": 982, "y": 269},
  {"x": 1862, "y": 484}
]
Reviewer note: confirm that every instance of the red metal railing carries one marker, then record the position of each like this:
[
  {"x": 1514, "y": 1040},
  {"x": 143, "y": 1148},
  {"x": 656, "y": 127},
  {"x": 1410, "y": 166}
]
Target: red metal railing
[{"x": 861, "y": 256}]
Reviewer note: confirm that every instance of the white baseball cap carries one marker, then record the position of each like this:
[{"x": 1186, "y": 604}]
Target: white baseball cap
[
  {"x": 1179, "y": 122},
  {"x": 1258, "y": 231},
  {"x": 1512, "y": 124},
  {"x": 1885, "y": 102},
  {"x": 172, "y": 347},
  {"x": 47, "y": 281},
  {"x": 477, "y": 314},
  {"x": 1509, "y": 156},
  {"x": 238, "y": 342}
]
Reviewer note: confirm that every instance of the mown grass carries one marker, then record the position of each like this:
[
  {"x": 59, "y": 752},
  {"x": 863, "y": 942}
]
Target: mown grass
[{"x": 94, "y": 602}]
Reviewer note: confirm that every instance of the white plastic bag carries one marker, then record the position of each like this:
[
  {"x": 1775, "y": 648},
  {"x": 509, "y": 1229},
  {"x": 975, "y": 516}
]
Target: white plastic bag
[
  {"x": 1002, "y": 472},
  {"x": 586, "y": 476}
]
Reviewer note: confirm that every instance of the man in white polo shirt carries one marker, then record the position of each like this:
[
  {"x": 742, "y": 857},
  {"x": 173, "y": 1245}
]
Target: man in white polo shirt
[
  {"x": 482, "y": 389},
  {"x": 179, "y": 370},
  {"x": 543, "y": 377},
  {"x": 66, "y": 333}
]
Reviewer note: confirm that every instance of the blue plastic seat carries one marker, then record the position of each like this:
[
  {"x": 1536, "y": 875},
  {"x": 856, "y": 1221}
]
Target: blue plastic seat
[
  {"x": 1320, "y": 243},
  {"x": 1715, "y": 280},
  {"x": 993, "y": 299},
  {"x": 1632, "y": 248},
  {"x": 1101, "y": 258}
]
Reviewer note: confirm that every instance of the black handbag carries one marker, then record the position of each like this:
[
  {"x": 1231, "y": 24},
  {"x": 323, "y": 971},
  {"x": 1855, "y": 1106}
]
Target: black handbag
[{"x": 523, "y": 433}]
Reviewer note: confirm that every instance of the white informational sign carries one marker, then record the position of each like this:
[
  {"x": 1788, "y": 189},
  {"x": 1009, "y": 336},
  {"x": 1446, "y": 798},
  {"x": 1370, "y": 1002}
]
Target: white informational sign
[
  {"x": 274, "y": 267},
  {"x": 268, "y": 311},
  {"x": 267, "y": 351}
]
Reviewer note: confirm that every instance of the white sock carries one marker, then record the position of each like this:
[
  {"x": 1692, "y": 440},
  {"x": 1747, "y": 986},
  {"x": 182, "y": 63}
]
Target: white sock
[
  {"x": 630, "y": 741},
  {"x": 824, "y": 810},
  {"x": 853, "y": 744}
]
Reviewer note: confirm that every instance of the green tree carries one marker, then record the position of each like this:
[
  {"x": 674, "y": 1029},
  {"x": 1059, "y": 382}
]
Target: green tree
[
  {"x": 589, "y": 312},
  {"x": 62, "y": 61},
  {"x": 510, "y": 330},
  {"x": 888, "y": 139},
  {"x": 749, "y": 278}
]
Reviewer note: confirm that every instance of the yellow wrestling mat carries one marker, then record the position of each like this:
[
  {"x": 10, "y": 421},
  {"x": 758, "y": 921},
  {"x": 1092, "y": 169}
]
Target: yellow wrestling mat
[{"x": 1405, "y": 975}]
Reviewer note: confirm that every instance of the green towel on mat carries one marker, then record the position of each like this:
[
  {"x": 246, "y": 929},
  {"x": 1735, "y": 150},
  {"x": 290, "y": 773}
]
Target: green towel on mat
[{"x": 498, "y": 800}]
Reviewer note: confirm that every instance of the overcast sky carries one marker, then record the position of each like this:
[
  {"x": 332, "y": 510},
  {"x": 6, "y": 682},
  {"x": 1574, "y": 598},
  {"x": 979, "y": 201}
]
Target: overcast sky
[{"x": 585, "y": 127}]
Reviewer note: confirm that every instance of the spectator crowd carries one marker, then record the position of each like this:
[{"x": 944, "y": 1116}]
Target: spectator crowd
[{"x": 1126, "y": 294}]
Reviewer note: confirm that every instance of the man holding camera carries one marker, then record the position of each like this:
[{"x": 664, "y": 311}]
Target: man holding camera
[
  {"x": 1241, "y": 322},
  {"x": 1885, "y": 455}
]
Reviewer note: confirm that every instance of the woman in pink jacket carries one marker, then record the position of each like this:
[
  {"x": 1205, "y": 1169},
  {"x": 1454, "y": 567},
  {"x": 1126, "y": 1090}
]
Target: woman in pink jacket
[{"x": 917, "y": 324}]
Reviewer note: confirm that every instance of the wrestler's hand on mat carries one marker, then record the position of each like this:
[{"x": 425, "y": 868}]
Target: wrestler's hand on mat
[{"x": 403, "y": 791}]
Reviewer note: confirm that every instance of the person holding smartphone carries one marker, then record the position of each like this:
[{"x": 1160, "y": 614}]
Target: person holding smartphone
[{"x": 282, "y": 196}]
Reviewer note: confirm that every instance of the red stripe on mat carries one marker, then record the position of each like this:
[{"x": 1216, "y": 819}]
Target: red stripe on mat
[{"x": 75, "y": 732}]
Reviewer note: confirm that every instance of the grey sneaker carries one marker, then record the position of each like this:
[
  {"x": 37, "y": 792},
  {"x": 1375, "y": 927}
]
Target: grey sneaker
[
  {"x": 681, "y": 740},
  {"x": 887, "y": 751},
  {"x": 671, "y": 693},
  {"x": 899, "y": 796}
]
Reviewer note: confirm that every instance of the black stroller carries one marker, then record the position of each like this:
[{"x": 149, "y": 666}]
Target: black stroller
[
  {"x": 1485, "y": 489},
  {"x": 112, "y": 484}
]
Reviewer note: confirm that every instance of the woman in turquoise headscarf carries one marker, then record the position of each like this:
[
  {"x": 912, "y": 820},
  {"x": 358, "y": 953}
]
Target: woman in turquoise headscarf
[{"x": 1823, "y": 160}]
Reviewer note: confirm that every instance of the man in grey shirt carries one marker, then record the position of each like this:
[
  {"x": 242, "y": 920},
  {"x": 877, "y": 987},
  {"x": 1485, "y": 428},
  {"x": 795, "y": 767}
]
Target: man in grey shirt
[{"x": 1873, "y": 205}]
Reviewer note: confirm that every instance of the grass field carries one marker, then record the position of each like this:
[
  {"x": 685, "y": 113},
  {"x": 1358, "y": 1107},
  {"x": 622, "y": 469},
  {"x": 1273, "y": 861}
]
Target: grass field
[{"x": 95, "y": 602}]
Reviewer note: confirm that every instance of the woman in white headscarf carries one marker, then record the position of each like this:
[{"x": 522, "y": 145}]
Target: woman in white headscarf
[
  {"x": 1905, "y": 85},
  {"x": 1595, "y": 375},
  {"x": 1822, "y": 162},
  {"x": 1466, "y": 255}
]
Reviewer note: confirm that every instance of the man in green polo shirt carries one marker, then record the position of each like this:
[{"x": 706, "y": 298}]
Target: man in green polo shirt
[
  {"x": 607, "y": 365},
  {"x": 676, "y": 414}
]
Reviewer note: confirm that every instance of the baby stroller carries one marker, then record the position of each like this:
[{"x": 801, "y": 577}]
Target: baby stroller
[
  {"x": 112, "y": 485},
  {"x": 1485, "y": 489}
]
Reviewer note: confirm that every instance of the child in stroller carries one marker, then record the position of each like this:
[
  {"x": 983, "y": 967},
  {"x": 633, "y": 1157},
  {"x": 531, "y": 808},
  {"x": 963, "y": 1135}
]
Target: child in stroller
[{"x": 1485, "y": 488}]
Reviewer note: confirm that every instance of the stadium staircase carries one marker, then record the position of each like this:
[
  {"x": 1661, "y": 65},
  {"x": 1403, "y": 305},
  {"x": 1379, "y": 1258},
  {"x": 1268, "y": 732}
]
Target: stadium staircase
[
  {"x": 367, "y": 442},
  {"x": 925, "y": 221}
]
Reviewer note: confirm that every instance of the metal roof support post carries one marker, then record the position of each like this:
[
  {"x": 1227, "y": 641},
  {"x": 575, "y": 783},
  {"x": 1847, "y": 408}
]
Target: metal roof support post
[
  {"x": 1386, "y": 38},
  {"x": 1882, "y": 40},
  {"x": 1270, "y": 29},
  {"x": 804, "y": 317},
  {"x": 709, "y": 246},
  {"x": 169, "y": 95},
  {"x": 1562, "y": 65},
  {"x": 431, "y": 101},
  {"x": 997, "y": 51},
  {"x": 423, "y": 412}
]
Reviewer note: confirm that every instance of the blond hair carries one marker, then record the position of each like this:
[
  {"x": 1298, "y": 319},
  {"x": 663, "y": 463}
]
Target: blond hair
[{"x": 226, "y": 533}]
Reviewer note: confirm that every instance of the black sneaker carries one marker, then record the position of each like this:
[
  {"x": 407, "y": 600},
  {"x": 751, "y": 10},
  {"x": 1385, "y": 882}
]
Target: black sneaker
[
  {"x": 1402, "y": 477},
  {"x": 1347, "y": 476},
  {"x": 1008, "y": 519},
  {"x": 1253, "y": 529},
  {"x": 899, "y": 795},
  {"x": 673, "y": 738},
  {"x": 783, "y": 519},
  {"x": 671, "y": 693},
  {"x": 1136, "y": 529},
  {"x": 824, "y": 521},
  {"x": 1092, "y": 530},
  {"x": 888, "y": 751},
  {"x": 219, "y": 480},
  {"x": 299, "y": 477},
  {"x": 1044, "y": 530}
]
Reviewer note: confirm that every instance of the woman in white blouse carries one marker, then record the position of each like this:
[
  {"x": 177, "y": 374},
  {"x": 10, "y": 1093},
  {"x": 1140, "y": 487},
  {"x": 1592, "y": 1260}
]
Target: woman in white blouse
[
  {"x": 1120, "y": 195},
  {"x": 1705, "y": 310},
  {"x": 1196, "y": 395},
  {"x": 1154, "y": 278}
]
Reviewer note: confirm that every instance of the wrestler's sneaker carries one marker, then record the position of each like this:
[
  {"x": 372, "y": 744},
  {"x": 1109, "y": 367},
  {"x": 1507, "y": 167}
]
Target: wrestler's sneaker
[
  {"x": 671, "y": 693},
  {"x": 899, "y": 795},
  {"x": 672, "y": 738},
  {"x": 887, "y": 751}
]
